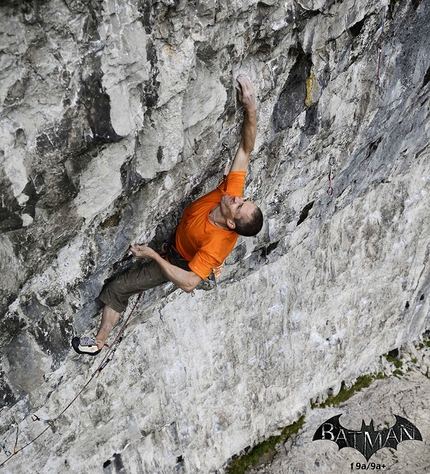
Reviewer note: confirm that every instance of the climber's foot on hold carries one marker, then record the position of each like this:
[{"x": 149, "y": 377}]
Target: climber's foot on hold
[{"x": 86, "y": 345}]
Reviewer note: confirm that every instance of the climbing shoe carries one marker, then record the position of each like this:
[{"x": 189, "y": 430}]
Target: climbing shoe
[{"x": 85, "y": 345}]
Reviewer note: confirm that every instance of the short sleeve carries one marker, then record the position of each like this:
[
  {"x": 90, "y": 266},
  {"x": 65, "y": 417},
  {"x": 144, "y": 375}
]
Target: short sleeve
[{"x": 235, "y": 183}]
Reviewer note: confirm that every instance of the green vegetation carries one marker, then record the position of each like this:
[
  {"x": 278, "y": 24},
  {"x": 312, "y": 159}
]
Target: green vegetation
[
  {"x": 263, "y": 452},
  {"x": 425, "y": 343},
  {"x": 398, "y": 364},
  {"x": 346, "y": 393},
  {"x": 111, "y": 221},
  {"x": 393, "y": 358},
  {"x": 266, "y": 451}
]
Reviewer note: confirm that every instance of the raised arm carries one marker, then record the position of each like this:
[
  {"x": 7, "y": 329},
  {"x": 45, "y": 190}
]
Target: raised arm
[{"x": 246, "y": 95}]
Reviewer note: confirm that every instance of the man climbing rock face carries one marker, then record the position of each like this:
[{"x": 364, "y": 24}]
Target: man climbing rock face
[{"x": 205, "y": 236}]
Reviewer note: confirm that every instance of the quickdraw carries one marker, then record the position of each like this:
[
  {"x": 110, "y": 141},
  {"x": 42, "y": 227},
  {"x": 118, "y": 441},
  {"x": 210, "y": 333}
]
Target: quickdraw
[
  {"x": 331, "y": 165},
  {"x": 109, "y": 358},
  {"x": 225, "y": 148},
  {"x": 36, "y": 418},
  {"x": 106, "y": 359}
]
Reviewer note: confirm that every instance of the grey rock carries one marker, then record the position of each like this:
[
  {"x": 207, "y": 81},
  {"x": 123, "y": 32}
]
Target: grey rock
[
  {"x": 115, "y": 116},
  {"x": 402, "y": 395}
]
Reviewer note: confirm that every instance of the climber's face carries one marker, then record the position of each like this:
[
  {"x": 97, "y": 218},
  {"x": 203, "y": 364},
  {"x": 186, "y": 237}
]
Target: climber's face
[{"x": 235, "y": 207}]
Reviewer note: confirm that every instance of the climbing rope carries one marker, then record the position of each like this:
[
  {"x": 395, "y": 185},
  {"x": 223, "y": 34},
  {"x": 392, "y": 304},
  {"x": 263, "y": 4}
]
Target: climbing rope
[{"x": 106, "y": 359}]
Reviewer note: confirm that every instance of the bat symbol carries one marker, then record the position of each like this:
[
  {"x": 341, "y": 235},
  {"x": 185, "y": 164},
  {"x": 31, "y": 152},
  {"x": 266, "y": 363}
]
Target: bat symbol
[{"x": 367, "y": 441}]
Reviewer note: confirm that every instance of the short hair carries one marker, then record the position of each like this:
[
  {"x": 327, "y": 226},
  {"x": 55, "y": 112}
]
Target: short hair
[{"x": 250, "y": 227}]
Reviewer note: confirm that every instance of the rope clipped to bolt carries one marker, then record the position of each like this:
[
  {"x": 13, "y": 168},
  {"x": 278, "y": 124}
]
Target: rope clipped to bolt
[{"x": 105, "y": 361}]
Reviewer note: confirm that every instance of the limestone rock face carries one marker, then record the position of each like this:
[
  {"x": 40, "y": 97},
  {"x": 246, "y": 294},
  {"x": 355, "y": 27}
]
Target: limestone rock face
[
  {"x": 377, "y": 404},
  {"x": 115, "y": 115}
]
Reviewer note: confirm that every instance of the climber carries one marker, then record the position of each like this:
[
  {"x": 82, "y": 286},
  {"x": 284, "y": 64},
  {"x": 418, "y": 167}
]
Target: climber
[{"x": 206, "y": 234}]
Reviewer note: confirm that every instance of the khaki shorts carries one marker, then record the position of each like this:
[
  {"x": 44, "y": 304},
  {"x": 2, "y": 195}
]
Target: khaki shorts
[{"x": 149, "y": 275}]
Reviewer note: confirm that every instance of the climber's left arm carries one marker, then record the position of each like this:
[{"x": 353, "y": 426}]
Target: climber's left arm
[{"x": 186, "y": 280}]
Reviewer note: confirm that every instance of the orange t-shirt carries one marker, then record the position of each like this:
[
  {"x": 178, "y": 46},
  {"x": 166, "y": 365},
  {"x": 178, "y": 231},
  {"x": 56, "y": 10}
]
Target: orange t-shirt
[{"x": 204, "y": 245}]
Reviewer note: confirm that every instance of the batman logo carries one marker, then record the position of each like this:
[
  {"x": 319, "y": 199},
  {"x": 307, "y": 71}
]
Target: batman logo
[{"x": 367, "y": 441}]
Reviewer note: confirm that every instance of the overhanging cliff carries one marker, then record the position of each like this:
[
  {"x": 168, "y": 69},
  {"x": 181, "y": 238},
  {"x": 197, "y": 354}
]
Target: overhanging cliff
[{"x": 117, "y": 114}]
